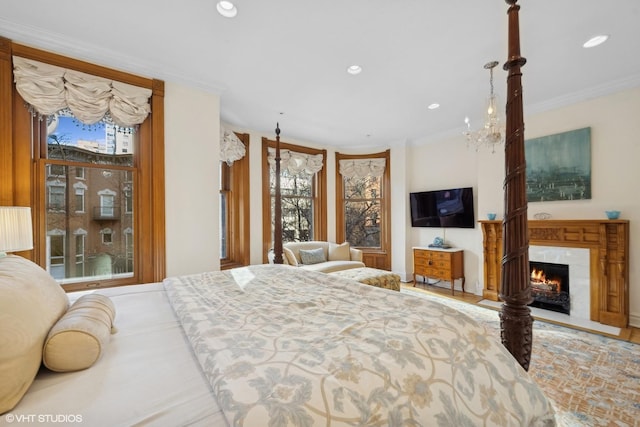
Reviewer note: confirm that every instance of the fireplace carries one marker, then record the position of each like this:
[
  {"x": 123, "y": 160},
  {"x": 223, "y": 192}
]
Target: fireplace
[
  {"x": 550, "y": 286},
  {"x": 606, "y": 297}
]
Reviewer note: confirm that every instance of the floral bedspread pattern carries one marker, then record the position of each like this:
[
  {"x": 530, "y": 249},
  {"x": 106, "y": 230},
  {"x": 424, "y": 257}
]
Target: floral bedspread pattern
[{"x": 282, "y": 346}]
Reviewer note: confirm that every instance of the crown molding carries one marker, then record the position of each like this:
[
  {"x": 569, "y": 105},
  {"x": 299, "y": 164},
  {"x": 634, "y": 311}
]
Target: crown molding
[
  {"x": 56, "y": 43},
  {"x": 584, "y": 95}
]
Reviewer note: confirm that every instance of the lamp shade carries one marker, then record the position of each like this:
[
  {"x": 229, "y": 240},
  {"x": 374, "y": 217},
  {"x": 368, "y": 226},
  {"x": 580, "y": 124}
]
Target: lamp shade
[{"x": 15, "y": 229}]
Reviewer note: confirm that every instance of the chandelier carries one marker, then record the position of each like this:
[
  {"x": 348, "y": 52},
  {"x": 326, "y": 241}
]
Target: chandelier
[{"x": 492, "y": 133}]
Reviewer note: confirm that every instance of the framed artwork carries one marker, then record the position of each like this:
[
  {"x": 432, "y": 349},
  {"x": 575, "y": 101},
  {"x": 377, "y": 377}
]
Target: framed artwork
[{"x": 559, "y": 166}]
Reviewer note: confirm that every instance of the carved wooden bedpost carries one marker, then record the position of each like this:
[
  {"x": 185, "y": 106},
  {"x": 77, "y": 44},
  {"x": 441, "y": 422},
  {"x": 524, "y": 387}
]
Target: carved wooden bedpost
[
  {"x": 277, "y": 214},
  {"x": 515, "y": 288}
]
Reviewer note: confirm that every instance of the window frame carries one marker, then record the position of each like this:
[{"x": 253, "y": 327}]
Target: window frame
[
  {"x": 319, "y": 191},
  {"x": 21, "y": 171},
  {"x": 234, "y": 181},
  {"x": 373, "y": 257}
]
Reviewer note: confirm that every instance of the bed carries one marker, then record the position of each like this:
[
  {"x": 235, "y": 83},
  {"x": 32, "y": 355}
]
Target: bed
[
  {"x": 272, "y": 345},
  {"x": 277, "y": 345},
  {"x": 147, "y": 375}
]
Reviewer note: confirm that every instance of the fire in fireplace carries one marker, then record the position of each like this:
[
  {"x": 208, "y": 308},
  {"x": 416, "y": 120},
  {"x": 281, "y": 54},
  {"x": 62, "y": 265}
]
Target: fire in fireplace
[{"x": 550, "y": 286}]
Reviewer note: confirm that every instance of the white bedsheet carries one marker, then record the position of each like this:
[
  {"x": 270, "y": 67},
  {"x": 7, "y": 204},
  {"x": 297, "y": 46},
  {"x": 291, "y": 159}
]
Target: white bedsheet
[{"x": 147, "y": 375}]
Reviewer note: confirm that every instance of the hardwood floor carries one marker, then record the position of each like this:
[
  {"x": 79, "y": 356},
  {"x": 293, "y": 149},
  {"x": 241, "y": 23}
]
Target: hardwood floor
[{"x": 628, "y": 334}]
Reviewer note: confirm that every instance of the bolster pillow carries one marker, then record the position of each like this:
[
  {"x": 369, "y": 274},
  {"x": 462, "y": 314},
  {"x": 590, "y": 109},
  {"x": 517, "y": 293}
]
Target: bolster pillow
[{"x": 78, "y": 339}]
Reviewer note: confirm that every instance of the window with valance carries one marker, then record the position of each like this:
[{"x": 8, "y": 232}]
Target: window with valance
[
  {"x": 231, "y": 148},
  {"x": 303, "y": 192},
  {"x": 92, "y": 129},
  {"x": 234, "y": 199},
  {"x": 49, "y": 89},
  {"x": 362, "y": 194}
]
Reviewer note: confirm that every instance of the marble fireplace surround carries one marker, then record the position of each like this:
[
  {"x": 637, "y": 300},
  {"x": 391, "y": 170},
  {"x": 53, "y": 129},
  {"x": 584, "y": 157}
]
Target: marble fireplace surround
[{"x": 598, "y": 248}]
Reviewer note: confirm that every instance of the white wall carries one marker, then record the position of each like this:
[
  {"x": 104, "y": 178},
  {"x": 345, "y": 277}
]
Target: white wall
[
  {"x": 192, "y": 155},
  {"x": 615, "y": 172},
  {"x": 400, "y": 220},
  {"x": 441, "y": 165}
]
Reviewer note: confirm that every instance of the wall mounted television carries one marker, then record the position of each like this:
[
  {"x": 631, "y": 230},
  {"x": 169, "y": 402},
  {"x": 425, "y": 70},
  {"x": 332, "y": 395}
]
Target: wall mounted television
[{"x": 443, "y": 208}]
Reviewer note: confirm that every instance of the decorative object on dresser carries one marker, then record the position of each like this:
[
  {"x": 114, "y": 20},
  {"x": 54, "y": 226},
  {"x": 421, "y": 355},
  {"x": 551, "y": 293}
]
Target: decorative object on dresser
[
  {"x": 612, "y": 214},
  {"x": 441, "y": 264}
]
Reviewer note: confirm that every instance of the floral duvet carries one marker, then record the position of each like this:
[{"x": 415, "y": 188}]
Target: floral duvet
[{"x": 283, "y": 346}]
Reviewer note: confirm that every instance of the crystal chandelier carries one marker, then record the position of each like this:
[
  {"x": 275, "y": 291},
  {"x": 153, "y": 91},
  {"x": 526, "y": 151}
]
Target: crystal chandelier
[{"x": 492, "y": 133}]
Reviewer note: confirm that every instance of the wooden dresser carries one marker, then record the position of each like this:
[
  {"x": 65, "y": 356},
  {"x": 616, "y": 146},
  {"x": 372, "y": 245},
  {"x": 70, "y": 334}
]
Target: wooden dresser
[{"x": 435, "y": 263}]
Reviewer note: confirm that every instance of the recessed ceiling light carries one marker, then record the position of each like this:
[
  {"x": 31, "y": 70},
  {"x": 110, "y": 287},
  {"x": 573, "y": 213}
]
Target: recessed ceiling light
[
  {"x": 595, "y": 41},
  {"x": 226, "y": 9},
  {"x": 433, "y": 106},
  {"x": 354, "y": 69}
]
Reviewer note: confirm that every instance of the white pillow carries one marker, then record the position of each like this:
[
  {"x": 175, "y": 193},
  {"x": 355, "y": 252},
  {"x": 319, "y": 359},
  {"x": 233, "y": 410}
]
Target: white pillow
[
  {"x": 31, "y": 302},
  {"x": 339, "y": 252},
  {"x": 78, "y": 339},
  {"x": 290, "y": 257}
]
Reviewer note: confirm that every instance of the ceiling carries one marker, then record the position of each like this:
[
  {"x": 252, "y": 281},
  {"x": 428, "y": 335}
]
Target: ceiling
[{"x": 285, "y": 60}]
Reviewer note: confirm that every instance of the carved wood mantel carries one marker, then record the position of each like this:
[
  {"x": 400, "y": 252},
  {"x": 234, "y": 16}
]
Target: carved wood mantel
[{"x": 608, "y": 244}]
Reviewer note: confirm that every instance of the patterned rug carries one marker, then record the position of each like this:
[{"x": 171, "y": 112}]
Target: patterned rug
[{"x": 593, "y": 380}]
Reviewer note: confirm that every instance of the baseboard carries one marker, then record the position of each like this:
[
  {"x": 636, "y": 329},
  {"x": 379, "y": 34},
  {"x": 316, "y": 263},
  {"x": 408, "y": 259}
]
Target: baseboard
[
  {"x": 634, "y": 321},
  {"x": 405, "y": 277}
]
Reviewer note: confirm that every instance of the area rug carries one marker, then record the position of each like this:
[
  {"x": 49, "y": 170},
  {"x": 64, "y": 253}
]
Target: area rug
[{"x": 592, "y": 380}]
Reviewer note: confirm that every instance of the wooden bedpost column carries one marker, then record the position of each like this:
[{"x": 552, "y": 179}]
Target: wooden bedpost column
[
  {"x": 277, "y": 214},
  {"x": 515, "y": 288}
]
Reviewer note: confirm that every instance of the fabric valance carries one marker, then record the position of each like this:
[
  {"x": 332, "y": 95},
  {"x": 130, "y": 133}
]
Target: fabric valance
[
  {"x": 295, "y": 162},
  {"x": 49, "y": 89},
  {"x": 231, "y": 148},
  {"x": 360, "y": 168}
]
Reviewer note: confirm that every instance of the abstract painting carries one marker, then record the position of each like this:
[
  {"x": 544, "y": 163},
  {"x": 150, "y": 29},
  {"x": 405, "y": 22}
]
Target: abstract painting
[{"x": 559, "y": 166}]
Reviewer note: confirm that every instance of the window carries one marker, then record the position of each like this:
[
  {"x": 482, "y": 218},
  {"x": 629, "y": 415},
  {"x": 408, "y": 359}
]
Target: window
[
  {"x": 128, "y": 238},
  {"x": 234, "y": 209},
  {"x": 362, "y": 208},
  {"x": 56, "y": 171},
  {"x": 72, "y": 246},
  {"x": 107, "y": 236},
  {"x": 362, "y": 205},
  {"x": 128, "y": 200},
  {"x": 303, "y": 193},
  {"x": 297, "y": 198},
  {"x": 56, "y": 196},
  {"x": 225, "y": 193},
  {"x": 107, "y": 204},
  {"x": 104, "y": 168},
  {"x": 56, "y": 258},
  {"x": 79, "y": 250},
  {"x": 79, "y": 202}
]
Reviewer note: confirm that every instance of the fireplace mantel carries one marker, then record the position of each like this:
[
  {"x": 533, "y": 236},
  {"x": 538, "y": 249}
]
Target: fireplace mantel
[{"x": 608, "y": 244}]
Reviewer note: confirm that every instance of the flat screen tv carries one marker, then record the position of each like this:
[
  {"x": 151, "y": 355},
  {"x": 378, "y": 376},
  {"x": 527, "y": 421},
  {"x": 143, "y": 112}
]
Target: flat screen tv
[{"x": 443, "y": 208}]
